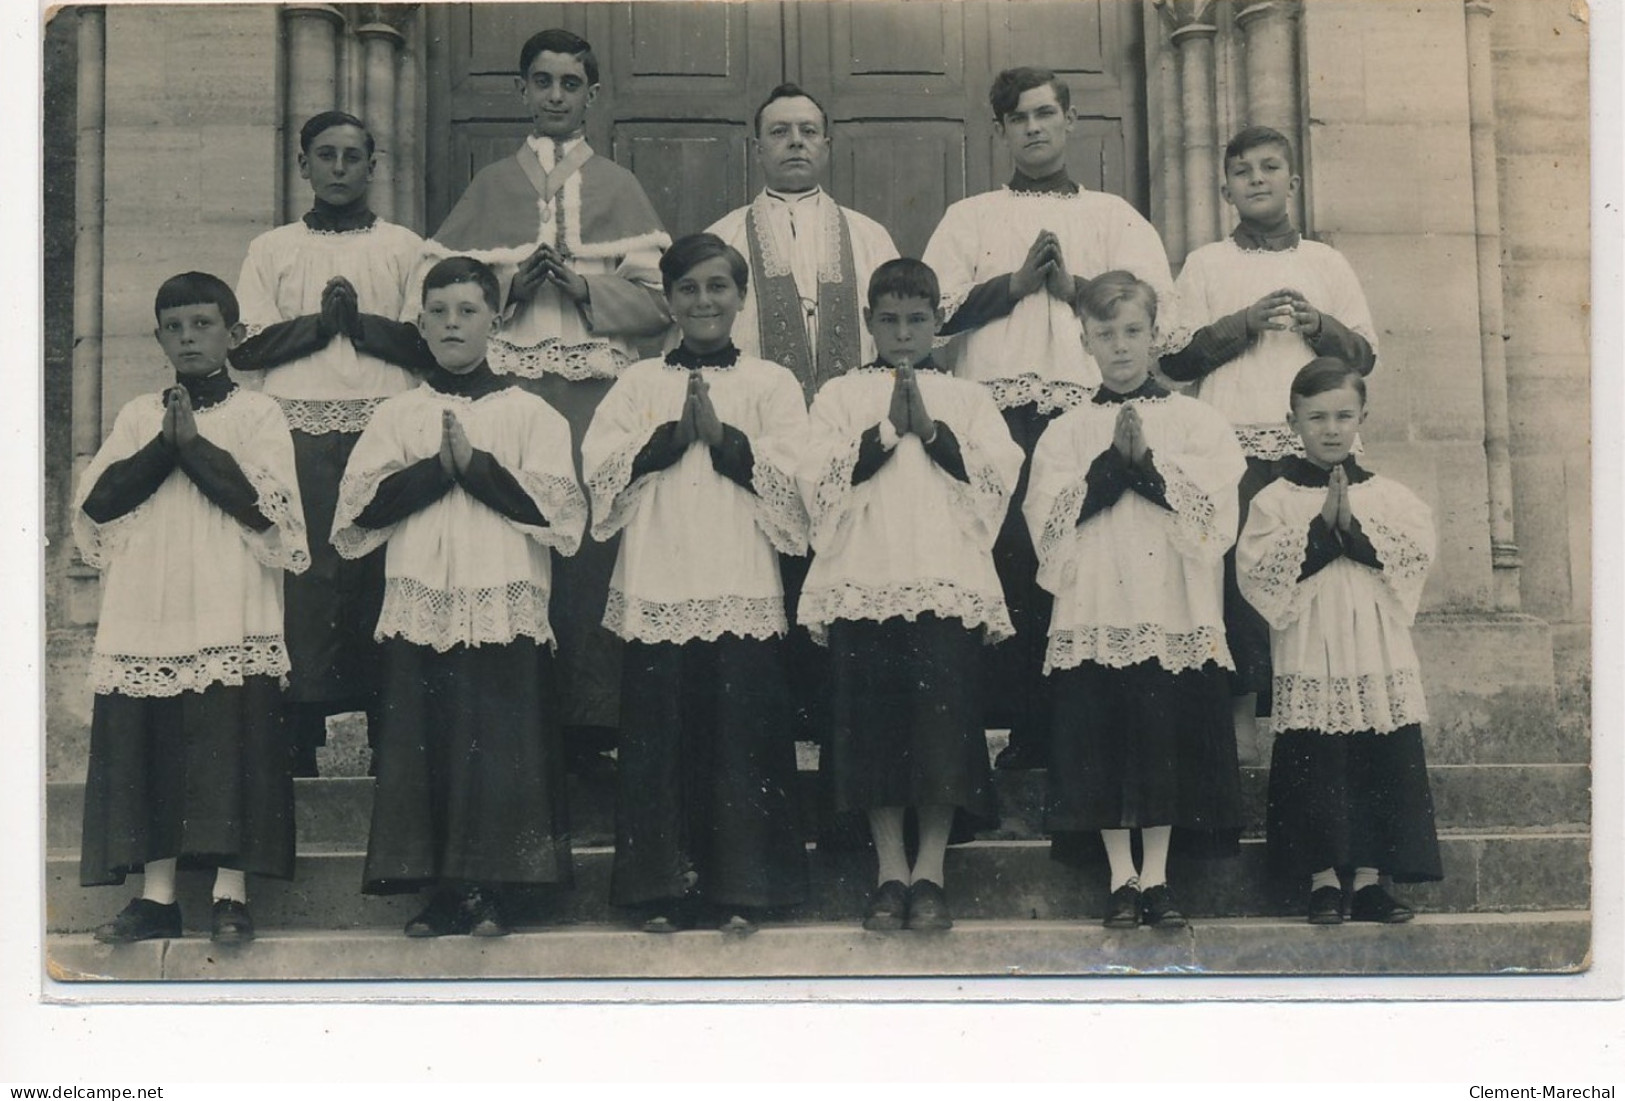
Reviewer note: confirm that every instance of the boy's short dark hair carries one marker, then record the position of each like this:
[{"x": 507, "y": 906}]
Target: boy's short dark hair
[
  {"x": 464, "y": 269},
  {"x": 556, "y": 40},
  {"x": 904, "y": 278},
  {"x": 687, "y": 252},
  {"x": 1009, "y": 85},
  {"x": 1102, "y": 296},
  {"x": 196, "y": 288},
  {"x": 1323, "y": 374},
  {"x": 1254, "y": 136},
  {"x": 788, "y": 91},
  {"x": 326, "y": 121}
]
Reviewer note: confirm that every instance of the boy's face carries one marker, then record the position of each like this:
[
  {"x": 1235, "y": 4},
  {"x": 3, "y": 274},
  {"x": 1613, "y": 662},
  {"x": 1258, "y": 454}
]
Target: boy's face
[
  {"x": 556, "y": 93},
  {"x": 457, "y": 322},
  {"x": 337, "y": 166},
  {"x": 793, "y": 149},
  {"x": 902, "y": 328},
  {"x": 196, "y": 338},
  {"x": 704, "y": 301},
  {"x": 1035, "y": 132},
  {"x": 1327, "y": 423},
  {"x": 1121, "y": 346},
  {"x": 1259, "y": 183}
]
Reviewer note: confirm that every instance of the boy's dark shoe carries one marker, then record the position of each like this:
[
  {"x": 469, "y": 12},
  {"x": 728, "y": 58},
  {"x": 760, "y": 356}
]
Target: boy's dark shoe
[
  {"x": 1020, "y": 757},
  {"x": 1326, "y": 906},
  {"x": 486, "y": 917},
  {"x": 142, "y": 919},
  {"x": 1375, "y": 904},
  {"x": 230, "y": 922},
  {"x": 1123, "y": 908},
  {"x": 927, "y": 908},
  {"x": 888, "y": 907},
  {"x": 737, "y": 924},
  {"x": 1157, "y": 909},
  {"x": 444, "y": 916},
  {"x": 675, "y": 916}
]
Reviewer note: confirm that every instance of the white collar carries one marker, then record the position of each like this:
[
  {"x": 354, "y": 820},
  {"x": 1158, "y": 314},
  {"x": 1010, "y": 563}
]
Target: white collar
[
  {"x": 792, "y": 198},
  {"x": 553, "y": 148}
]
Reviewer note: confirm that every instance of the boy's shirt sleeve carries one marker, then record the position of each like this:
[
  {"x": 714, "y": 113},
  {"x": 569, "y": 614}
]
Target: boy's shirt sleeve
[
  {"x": 126, "y": 483},
  {"x": 535, "y": 490},
  {"x": 272, "y": 339},
  {"x": 627, "y": 302},
  {"x": 1346, "y": 328},
  {"x": 263, "y": 457},
  {"x": 621, "y": 428},
  {"x": 222, "y": 481},
  {"x": 102, "y": 538},
  {"x": 380, "y": 453},
  {"x": 406, "y": 491}
]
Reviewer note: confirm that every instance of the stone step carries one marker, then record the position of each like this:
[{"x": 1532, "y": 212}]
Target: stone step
[
  {"x": 336, "y": 812},
  {"x": 1445, "y": 944},
  {"x": 988, "y": 880}
]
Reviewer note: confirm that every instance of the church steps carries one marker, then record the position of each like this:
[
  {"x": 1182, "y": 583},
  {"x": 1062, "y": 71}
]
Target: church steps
[{"x": 1443, "y": 944}]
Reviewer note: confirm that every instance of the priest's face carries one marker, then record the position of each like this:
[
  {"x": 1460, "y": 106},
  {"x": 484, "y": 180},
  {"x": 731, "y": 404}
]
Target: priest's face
[
  {"x": 1036, "y": 131},
  {"x": 791, "y": 144},
  {"x": 557, "y": 94}
]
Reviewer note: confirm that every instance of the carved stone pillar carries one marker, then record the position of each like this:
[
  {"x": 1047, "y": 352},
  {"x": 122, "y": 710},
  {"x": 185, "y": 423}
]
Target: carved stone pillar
[
  {"x": 1504, "y": 558},
  {"x": 312, "y": 59},
  {"x": 1192, "y": 36},
  {"x": 1271, "y": 33},
  {"x": 380, "y": 54},
  {"x": 83, "y": 590}
]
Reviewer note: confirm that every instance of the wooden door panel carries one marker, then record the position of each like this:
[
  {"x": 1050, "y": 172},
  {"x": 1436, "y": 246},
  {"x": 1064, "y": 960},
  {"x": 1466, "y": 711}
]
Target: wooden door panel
[
  {"x": 901, "y": 174},
  {"x": 694, "y": 173}
]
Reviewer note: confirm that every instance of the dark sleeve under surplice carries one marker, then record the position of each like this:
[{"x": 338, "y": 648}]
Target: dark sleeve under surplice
[
  {"x": 397, "y": 342},
  {"x": 986, "y": 302},
  {"x": 1337, "y": 339},
  {"x": 1145, "y": 479},
  {"x": 216, "y": 474},
  {"x": 408, "y": 490},
  {"x": 944, "y": 451},
  {"x": 1106, "y": 480},
  {"x": 872, "y": 455},
  {"x": 282, "y": 342},
  {"x": 125, "y": 484},
  {"x": 1210, "y": 347},
  {"x": 733, "y": 458},
  {"x": 491, "y": 483}
]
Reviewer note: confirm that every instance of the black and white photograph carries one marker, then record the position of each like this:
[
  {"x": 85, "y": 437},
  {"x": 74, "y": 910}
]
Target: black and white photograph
[{"x": 1010, "y": 490}]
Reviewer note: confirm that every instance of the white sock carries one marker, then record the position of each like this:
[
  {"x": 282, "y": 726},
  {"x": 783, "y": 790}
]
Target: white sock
[
  {"x": 1154, "y": 867},
  {"x": 1365, "y": 877},
  {"x": 935, "y": 823},
  {"x": 230, "y": 883},
  {"x": 886, "y": 827},
  {"x": 1120, "y": 855},
  {"x": 1326, "y": 877},
  {"x": 158, "y": 881}
]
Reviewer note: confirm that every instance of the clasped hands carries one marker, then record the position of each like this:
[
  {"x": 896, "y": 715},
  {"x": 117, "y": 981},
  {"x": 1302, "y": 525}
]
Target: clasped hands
[
  {"x": 179, "y": 428},
  {"x": 907, "y": 412},
  {"x": 1336, "y": 513},
  {"x": 1044, "y": 267},
  {"x": 698, "y": 420},
  {"x": 1283, "y": 311},
  {"x": 341, "y": 308},
  {"x": 546, "y": 265},
  {"x": 1128, "y": 434},
  {"x": 455, "y": 450}
]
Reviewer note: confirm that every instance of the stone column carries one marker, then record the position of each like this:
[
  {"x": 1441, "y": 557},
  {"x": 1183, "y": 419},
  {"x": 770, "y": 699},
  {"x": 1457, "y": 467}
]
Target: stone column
[
  {"x": 380, "y": 50},
  {"x": 83, "y": 591},
  {"x": 1192, "y": 36},
  {"x": 1271, "y": 32},
  {"x": 312, "y": 65},
  {"x": 1504, "y": 558}
]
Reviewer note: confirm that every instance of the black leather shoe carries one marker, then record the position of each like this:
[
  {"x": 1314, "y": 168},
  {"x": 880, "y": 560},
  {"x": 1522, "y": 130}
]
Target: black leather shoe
[
  {"x": 1123, "y": 909},
  {"x": 230, "y": 922},
  {"x": 888, "y": 907},
  {"x": 676, "y": 916},
  {"x": 485, "y": 913},
  {"x": 1157, "y": 909},
  {"x": 1375, "y": 904},
  {"x": 737, "y": 924},
  {"x": 927, "y": 908},
  {"x": 142, "y": 919},
  {"x": 444, "y": 916},
  {"x": 1326, "y": 906}
]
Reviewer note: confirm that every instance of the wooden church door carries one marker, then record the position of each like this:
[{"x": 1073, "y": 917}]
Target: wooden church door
[{"x": 905, "y": 83}]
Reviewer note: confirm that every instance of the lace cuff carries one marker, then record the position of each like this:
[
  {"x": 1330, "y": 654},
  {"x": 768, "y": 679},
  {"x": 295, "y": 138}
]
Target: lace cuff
[
  {"x": 561, "y": 503},
  {"x": 833, "y": 497},
  {"x": 356, "y": 492},
  {"x": 980, "y": 502},
  {"x": 283, "y": 545},
  {"x": 613, "y": 493},
  {"x": 906, "y": 600},
  {"x": 705, "y": 619},
  {"x": 780, "y": 514},
  {"x": 1057, "y": 544},
  {"x": 1195, "y": 529},
  {"x": 573, "y": 362},
  {"x": 99, "y": 544},
  {"x": 1120, "y": 647},
  {"x": 1272, "y": 586},
  {"x": 1405, "y": 564},
  {"x": 144, "y": 675},
  {"x": 1348, "y": 705},
  {"x": 443, "y": 618}
]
